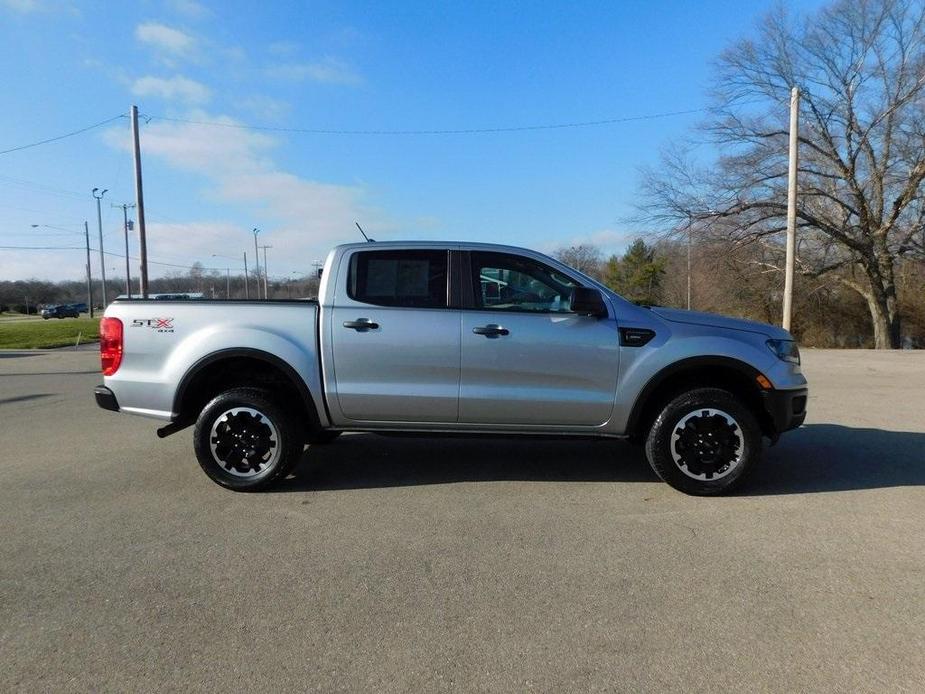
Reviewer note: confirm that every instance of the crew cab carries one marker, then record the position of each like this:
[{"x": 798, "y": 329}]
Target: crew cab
[{"x": 452, "y": 338}]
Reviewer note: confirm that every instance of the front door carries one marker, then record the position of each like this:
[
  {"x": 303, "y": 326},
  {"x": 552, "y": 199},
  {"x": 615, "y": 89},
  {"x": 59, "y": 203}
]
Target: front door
[
  {"x": 395, "y": 342},
  {"x": 526, "y": 357}
]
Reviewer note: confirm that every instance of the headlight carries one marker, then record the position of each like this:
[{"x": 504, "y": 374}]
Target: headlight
[{"x": 785, "y": 350}]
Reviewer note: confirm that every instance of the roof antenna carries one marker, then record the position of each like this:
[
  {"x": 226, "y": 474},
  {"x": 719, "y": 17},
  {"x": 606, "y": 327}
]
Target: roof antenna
[{"x": 368, "y": 240}]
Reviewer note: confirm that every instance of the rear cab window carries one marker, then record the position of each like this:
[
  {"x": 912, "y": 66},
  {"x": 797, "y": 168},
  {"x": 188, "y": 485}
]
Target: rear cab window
[{"x": 414, "y": 278}]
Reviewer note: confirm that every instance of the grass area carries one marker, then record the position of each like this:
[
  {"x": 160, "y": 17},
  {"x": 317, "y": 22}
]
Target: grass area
[
  {"x": 32, "y": 334},
  {"x": 17, "y": 317}
]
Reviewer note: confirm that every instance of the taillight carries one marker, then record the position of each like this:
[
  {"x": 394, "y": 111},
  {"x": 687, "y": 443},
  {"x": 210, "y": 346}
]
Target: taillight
[{"x": 110, "y": 345}]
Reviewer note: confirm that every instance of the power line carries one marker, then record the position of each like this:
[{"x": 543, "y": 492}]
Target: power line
[
  {"x": 450, "y": 131},
  {"x": 338, "y": 131},
  {"x": 62, "y": 137},
  {"x": 41, "y": 187},
  {"x": 187, "y": 266},
  {"x": 96, "y": 250},
  {"x": 41, "y": 248}
]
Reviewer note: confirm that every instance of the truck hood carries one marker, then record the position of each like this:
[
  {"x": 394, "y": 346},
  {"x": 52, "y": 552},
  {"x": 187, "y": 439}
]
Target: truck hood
[{"x": 713, "y": 320}]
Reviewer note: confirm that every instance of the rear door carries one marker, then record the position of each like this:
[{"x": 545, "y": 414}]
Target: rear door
[
  {"x": 396, "y": 344},
  {"x": 526, "y": 357}
]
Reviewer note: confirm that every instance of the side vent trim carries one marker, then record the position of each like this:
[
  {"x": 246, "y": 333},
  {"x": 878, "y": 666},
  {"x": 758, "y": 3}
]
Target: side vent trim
[{"x": 635, "y": 337}]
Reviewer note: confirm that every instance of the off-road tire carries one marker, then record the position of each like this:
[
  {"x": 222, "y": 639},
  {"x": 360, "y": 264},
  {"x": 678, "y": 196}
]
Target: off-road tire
[
  {"x": 704, "y": 406},
  {"x": 271, "y": 433}
]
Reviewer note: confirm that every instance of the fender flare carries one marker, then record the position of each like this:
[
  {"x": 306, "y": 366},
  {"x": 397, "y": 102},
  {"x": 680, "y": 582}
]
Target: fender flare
[
  {"x": 746, "y": 370},
  {"x": 250, "y": 353}
]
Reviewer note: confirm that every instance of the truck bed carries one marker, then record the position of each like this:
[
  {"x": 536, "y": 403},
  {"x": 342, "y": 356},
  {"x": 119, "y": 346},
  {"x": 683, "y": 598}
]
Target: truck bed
[{"x": 165, "y": 340}]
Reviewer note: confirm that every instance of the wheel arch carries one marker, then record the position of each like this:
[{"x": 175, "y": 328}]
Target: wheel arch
[
  {"x": 727, "y": 373},
  {"x": 242, "y": 367}
]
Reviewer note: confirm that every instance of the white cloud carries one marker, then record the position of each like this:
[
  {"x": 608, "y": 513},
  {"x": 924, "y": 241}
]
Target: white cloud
[
  {"x": 301, "y": 218},
  {"x": 183, "y": 243},
  {"x": 264, "y": 108},
  {"x": 23, "y": 6},
  {"x": 330, "y": 70},
  {"x": 43, "y": 6},
  {"x": 169, "y": 42},
  {"x": 177, "y": 87},
  {"x": 189, "y": 8}
]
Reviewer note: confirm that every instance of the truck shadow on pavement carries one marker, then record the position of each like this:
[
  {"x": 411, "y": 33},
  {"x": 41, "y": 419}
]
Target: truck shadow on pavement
[
  {"x": 361, "y": 461},
  {"x": 834, "y": 458},
  {"x": 814, "y": 458}
]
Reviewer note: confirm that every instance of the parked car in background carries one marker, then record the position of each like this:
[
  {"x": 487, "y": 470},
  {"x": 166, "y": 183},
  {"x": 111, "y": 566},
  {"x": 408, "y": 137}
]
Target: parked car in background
[{"x": 65, "y": 311}]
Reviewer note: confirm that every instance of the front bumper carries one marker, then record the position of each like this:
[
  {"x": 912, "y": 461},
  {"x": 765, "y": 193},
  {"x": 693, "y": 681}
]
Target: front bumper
[
  {"x": 106, "y": 399},
  {"x": 786, "y": 408}
]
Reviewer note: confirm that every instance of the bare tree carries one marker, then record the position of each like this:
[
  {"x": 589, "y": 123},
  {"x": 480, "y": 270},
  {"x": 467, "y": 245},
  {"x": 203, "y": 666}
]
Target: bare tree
[
  {"x": 584, "y": 257},
  {"x": 860, "y": 67}
]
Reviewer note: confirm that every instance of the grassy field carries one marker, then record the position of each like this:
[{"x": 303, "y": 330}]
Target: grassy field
[
  {"x": 32, "y": 334},
  {"x": 4, "y": 316}
]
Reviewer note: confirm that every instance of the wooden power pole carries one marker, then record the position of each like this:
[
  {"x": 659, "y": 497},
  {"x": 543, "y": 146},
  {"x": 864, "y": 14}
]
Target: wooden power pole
[
  {"x": 140, "y": 206},
  {"x": 791, "y": 205}
]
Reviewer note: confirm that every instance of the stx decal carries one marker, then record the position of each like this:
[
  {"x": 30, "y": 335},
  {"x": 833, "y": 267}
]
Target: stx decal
[{"x": 161, "y": 325}]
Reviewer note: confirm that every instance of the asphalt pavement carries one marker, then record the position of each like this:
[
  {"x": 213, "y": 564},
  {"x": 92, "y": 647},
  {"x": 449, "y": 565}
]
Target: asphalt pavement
[{"x": 417, "y": 565}]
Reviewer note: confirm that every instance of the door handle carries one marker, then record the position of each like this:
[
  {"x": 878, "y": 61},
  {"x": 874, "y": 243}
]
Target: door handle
[
  {"x": 361, "y": 324},
  {"x": 491, "y": 330}
]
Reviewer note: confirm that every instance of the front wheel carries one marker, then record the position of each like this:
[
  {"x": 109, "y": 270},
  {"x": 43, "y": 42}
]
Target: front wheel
[
  {"x": 704, "y": 442},
  {"x": 245, "y": 441}
]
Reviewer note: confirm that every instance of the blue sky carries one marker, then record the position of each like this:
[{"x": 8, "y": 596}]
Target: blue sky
[{"x": 346, "y": 66}]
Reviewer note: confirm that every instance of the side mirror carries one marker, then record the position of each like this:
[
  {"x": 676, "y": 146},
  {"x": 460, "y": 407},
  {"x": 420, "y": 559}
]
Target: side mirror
[{"x": 588, "y": 301}]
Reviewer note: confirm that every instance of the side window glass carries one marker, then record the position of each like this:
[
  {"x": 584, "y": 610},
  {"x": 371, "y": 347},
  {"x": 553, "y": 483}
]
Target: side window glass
[
  {"x": 411, "y": 278},
  {"x": 512, "y": 283}
]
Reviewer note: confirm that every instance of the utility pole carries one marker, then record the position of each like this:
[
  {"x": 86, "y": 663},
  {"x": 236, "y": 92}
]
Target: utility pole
[
  {"x": 791, "y": 205},
  {"x": 246, "y": 292},
  {"x": 266, "y": 294},
  {"x": 257, "y": 261},
  {"x": 89, "y": 278},
  {"x": 99, "y": 223},
  {"x": 690, "y": 233},
  {"x": 128, "y": 273},
  {"x": 228, "y": 274},
  {"x": 140, "y": 205}
]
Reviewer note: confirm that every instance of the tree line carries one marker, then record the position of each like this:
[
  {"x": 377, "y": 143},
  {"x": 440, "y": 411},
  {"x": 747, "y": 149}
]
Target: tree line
[
  {"x": 16, "y": 296},
  {"x": 736, "y": 280},
  {"x": 860, "y": 69}
]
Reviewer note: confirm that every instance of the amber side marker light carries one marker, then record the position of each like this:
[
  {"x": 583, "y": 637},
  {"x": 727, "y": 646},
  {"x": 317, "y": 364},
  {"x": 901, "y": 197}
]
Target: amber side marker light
[
  {"x": 763, "y": 382},
  {"x": 110, "y": 345}
]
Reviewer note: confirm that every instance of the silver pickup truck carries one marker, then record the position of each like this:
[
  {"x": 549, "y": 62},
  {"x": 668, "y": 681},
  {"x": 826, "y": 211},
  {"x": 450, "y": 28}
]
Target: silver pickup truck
[{"x": 454, "y": 338}]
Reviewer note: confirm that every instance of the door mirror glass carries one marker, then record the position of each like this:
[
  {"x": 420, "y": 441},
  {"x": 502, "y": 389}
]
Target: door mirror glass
[{"x": 588, "y": 301}]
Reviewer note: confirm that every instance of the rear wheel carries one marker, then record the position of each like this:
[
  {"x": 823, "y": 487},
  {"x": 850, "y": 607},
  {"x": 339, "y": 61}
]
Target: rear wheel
[
  {"x": 244, "y": 440},
  {"x": 704, "y": 442}
]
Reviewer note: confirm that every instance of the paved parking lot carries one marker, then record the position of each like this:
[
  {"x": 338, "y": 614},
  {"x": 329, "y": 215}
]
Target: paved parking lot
[{"x": 461, "y": 565}]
